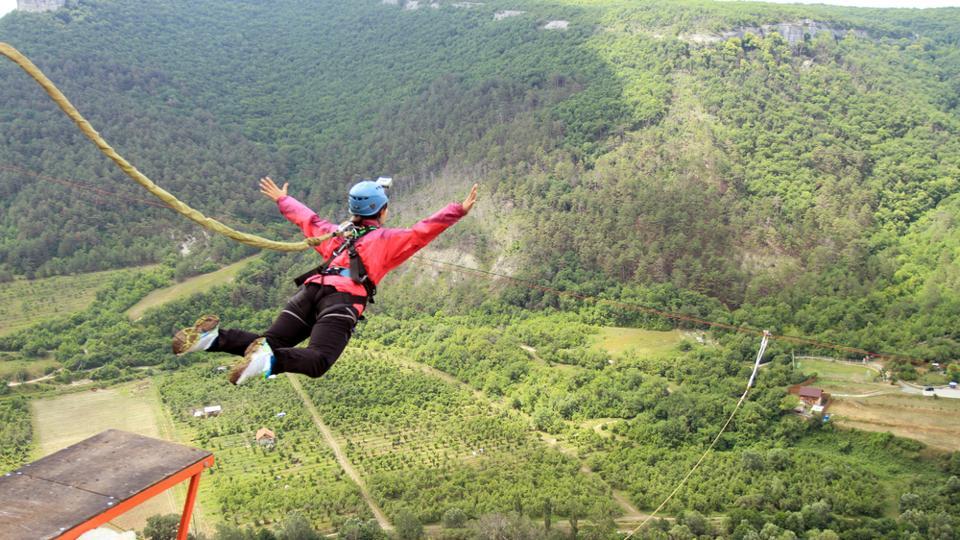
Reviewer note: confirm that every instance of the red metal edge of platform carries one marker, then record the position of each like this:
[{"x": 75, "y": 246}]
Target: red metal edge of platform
[
  {"x": 192, "y": 472},
  {"x": 72, "y": 491}
]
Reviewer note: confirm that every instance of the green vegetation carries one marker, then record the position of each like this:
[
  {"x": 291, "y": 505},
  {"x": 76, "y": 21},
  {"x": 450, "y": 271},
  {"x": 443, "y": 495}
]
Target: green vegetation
[
  {"x": 17, "y": 433},
  {"x": 427, "y": 446},
  {"x": 677, "y": 155},
  {"x": 186, "y": 288},
  {"x": 251, "y": 483},
  {"x": 27, "y": 302},
  {"x": 784, "y": 178},
  {"x": 413, "y": 435}
]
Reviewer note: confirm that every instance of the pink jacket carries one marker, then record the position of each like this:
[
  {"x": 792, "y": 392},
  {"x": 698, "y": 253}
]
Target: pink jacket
[{"x": 381, "y": 250}]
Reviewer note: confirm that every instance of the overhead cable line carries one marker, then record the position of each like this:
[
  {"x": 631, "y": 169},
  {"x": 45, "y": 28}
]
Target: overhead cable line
[{"x": 83, "y": 187}]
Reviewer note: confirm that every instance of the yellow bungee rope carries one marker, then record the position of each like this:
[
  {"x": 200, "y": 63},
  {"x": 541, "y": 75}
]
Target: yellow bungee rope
[{"x": 206, "y": 222}]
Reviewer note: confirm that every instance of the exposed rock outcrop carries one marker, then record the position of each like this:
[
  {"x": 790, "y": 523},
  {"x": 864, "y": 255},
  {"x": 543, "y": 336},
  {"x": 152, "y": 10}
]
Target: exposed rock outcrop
[
  {"x": 794, "y": 32},
  {"x": 40, "y": 5}
]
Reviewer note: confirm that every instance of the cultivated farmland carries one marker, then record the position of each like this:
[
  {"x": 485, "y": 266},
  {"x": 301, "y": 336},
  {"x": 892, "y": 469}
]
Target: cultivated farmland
[
  {"x": 27, "y": 302},
  {"x": 935, "y": 422},
  {"x": 428, "y": 445},
  {"x": 187, "y": 287},
  {"x": 251, "y": 483}
]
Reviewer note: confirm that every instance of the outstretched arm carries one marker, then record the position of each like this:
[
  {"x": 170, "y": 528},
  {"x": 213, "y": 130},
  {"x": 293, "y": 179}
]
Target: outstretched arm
[
  {"x": 403, "y": 243},
  {"x": 295, "y": 211}
]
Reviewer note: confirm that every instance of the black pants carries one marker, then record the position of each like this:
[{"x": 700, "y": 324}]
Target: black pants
[{"x": 309, "y": 313}]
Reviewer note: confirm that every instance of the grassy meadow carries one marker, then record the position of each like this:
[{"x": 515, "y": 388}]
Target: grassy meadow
[
  {"x": 187, "y": 288},
  {"x": 617, "y": 341},
  {"x": 16, "y": 368}
]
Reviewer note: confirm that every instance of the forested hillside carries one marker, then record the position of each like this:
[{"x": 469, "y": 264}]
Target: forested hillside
[
  {"x": 808, "y": 186},
  {"x": 793, "y": 168}
]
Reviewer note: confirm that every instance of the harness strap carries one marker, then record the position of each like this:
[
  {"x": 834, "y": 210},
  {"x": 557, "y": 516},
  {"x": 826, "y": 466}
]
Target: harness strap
[{"x": 357, "y": 271}]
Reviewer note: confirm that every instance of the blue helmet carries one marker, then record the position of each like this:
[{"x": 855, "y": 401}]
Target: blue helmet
[{"x": 367, "y": 198}]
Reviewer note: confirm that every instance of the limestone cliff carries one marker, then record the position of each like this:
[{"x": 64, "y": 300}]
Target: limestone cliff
[{"x": 40, "y": 5}]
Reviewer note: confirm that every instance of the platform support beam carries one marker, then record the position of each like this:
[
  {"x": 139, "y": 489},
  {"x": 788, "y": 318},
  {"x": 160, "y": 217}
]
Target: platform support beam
[{"x": 188, "y": 507}]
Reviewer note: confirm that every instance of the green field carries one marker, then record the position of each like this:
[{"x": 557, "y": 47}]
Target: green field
[
  {"x": 187, "y": 287},
  {"x": 64, "y": 420},
  {"x": 617, "y": 341},
  {"x": 27, "y": 302},
  {"x": 14, "y": 367},
  {"x": 827, "y": 370}
]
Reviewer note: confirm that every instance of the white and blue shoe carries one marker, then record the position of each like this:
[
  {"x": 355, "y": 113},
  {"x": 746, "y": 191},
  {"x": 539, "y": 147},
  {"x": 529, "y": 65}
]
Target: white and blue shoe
[
  {"x": 198, "y": 337},
  {"x": 257, "y": 362}
]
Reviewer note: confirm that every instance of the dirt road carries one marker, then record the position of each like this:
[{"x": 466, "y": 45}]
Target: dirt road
[{"x": 341, "y": 457}]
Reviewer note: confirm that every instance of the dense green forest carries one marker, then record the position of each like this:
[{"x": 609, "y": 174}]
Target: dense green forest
[
  {"x": 794, "y": 168},
  {"x": 808, "y": 186}
]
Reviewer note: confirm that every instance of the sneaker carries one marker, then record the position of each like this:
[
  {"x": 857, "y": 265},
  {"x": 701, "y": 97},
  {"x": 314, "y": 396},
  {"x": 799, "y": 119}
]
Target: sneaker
[
  {"x": 198, "y": 337},
  {"x": 257, "y": 362}
]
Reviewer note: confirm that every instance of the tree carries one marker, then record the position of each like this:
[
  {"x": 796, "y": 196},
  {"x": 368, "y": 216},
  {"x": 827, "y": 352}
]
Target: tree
[
  {"x": 408, "y": 525},
  {"x": 547, "y": 513},
  {"x": 162, "y": 527},
  {"x": 454, "y": 518},
  {"x": 296, "y": 527}
]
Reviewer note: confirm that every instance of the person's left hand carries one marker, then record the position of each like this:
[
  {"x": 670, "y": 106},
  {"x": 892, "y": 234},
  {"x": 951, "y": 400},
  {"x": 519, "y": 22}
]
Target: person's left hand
[
  {"x": 470, "y": 200},
  {"x": 270, "y": 189}
]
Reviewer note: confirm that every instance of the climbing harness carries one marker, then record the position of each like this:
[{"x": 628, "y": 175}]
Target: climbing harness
[{"x": 350, "y": 233}]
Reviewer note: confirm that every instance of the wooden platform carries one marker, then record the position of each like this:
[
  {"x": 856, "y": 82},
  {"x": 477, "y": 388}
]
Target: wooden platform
[{"x": 104, "y": 475}]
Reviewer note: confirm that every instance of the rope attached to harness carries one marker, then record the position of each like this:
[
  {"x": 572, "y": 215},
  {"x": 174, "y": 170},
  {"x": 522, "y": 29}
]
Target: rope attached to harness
[{"x": 206, "y": 222}]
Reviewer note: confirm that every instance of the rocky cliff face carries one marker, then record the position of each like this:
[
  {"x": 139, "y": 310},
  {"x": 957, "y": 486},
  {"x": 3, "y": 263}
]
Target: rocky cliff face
[
  {"x": 793, "y": 32},
  {"x": 40, "y": 5}
]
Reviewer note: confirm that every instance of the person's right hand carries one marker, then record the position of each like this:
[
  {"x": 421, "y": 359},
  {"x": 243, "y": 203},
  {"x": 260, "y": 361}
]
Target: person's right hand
[
  {"x": 470, "y": 200},
  {"x": 270, "y": 189}
]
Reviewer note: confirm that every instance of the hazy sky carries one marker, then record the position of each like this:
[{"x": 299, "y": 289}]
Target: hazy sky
[{"x": 9, "y": 5}]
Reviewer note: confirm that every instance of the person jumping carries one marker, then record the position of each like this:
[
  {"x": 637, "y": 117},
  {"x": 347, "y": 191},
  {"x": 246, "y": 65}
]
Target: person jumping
[{"x": 332, "y": 297}]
